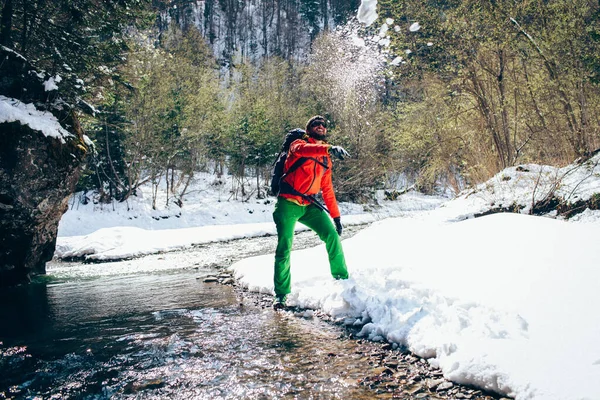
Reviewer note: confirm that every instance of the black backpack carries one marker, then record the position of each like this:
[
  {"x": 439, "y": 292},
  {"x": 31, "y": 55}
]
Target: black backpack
[{"x": 277, "y": 171}]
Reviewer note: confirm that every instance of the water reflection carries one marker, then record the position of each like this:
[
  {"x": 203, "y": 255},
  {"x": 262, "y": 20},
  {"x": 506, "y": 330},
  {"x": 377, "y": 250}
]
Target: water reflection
[
  {"x": 166, "y": 336},
  {"x": 24, "y": 310}
]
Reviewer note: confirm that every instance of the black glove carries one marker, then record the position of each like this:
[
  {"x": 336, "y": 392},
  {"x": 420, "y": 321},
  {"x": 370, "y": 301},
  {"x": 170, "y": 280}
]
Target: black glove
[
  {"x": 339, "y": 152},
  {"x": 338, "y": 225}
]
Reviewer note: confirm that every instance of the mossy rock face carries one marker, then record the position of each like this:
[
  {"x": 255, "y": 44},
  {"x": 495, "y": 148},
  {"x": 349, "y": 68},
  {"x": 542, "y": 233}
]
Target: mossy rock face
[{"x": 37, "y": 176}]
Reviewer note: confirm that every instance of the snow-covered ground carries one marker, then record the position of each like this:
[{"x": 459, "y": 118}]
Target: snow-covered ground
[
  {"x": 506, "y": 302},
  {"x": 209, "y": 214}
]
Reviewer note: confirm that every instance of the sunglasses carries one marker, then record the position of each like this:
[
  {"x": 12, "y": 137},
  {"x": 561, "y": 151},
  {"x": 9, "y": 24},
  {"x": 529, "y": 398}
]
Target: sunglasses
[{"x": 317, "y": 123}]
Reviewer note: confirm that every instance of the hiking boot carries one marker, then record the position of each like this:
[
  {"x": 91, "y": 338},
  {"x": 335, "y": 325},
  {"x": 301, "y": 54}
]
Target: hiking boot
[{"x": 279, "y": 301}]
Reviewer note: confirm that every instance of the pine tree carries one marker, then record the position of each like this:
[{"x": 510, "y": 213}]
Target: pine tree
[{"x": 78, "y": 41}]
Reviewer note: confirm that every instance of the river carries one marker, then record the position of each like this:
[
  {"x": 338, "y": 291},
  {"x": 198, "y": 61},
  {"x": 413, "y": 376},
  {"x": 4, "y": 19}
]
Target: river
[{"x": 153, "y": 328}]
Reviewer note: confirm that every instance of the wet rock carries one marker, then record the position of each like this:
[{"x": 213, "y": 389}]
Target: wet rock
[
  {"x": 432, "y": 384},
  {"x": 134, "y": 387},
  {"x": 445, "y": 386},
  {"x": 413, "y": 388},
  {"x": 387, "y": 346},
  {"x": 400, "y": 374},
  {"x": 306, "y": 314}
]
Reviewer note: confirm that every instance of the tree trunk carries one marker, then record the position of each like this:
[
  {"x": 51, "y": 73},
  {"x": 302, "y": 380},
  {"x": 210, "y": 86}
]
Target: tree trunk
[
  {"x": 6, "y": 24},
  {"x": 24, "y": 32},
  {"x": 258, "y": 191},
  {"x": 485, "y": 109},
  {"x": 505, "y": 128},
  {"x": 576, "y": 138},
  {"x": 324, "y": 10}
]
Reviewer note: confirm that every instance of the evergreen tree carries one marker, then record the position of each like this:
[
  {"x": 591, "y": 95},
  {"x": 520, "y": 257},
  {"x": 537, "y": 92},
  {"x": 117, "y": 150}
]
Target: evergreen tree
[{"x": 78, "y": 42}]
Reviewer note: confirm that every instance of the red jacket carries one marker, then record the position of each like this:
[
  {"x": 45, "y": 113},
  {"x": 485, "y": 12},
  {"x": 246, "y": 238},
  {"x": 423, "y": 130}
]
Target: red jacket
[{"x": 311, "y": 177}]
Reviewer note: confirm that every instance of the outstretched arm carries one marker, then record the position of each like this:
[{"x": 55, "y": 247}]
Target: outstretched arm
[{"x": 302, "y": 148}]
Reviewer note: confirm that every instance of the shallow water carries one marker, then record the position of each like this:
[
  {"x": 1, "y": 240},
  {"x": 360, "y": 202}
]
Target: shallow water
[{"x": 166, "y": 334}]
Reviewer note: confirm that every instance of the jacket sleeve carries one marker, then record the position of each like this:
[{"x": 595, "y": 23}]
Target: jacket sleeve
[
  {"x": 302, "y": 148},
  {"x": 329, "y": 194}
]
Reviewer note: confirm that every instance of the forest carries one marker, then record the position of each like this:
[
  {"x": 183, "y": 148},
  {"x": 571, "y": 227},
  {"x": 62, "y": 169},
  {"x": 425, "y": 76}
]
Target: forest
[{"x": 434, "y": 95}]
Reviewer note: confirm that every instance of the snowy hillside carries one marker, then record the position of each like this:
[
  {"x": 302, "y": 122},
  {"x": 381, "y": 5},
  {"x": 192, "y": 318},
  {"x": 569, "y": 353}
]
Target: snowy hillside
[{"x": 536, "y": 189}]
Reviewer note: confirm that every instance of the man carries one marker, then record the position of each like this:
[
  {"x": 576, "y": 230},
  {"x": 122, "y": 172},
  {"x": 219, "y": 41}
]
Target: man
[{"x": 295, "y": 203}]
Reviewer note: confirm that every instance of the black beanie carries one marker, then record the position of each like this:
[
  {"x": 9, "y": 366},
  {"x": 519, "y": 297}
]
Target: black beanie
[{"x": 313, "y": 119}]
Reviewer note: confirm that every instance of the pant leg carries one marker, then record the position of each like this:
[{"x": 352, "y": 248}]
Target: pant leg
[
  {"x": 285, "y": 216},
  {"x": 318, "y": 220}
]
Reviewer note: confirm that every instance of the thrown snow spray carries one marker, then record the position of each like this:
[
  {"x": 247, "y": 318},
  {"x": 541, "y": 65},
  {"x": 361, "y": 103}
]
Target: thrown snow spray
[
  {"x": 359, "y": 62},
  {"x": 351, "y": 66},
  {"x": 355, "y": 58}
]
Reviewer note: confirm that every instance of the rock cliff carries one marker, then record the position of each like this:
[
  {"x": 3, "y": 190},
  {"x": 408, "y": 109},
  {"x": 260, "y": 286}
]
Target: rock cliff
[
  {"x": 250, "y": 30},
  {"x": 42, "y": 153}
]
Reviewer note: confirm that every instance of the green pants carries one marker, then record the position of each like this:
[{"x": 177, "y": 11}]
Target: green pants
[{"x": 285, "y": 216}]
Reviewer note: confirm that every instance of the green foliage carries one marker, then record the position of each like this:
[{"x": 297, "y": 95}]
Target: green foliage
[
  {"x": 520, "y": 77},
  {"x": 107, "y": 170},
  {"x": 170, "y": 121},
  {"x": 311, "y": 10}
]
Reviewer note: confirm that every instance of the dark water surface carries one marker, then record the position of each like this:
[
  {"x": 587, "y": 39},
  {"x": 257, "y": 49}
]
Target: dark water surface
[{"x": 167, "y": 335}]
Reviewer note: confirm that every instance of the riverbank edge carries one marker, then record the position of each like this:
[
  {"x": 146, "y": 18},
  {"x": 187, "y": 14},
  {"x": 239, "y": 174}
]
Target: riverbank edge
[{"x": 396, "y": 373}]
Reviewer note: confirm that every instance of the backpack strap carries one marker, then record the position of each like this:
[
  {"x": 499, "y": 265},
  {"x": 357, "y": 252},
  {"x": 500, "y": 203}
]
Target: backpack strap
[
  {"x": 295, "y": 165},
  {"x": 285, "y": 187},
  {"x": 284, "y": 184},
  {"x": 298, "y": 163}
]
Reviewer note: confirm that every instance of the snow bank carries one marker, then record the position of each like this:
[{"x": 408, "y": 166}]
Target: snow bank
[
  {"x": 525, "y": 185},
  {"x": 505, "y": 302}
]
